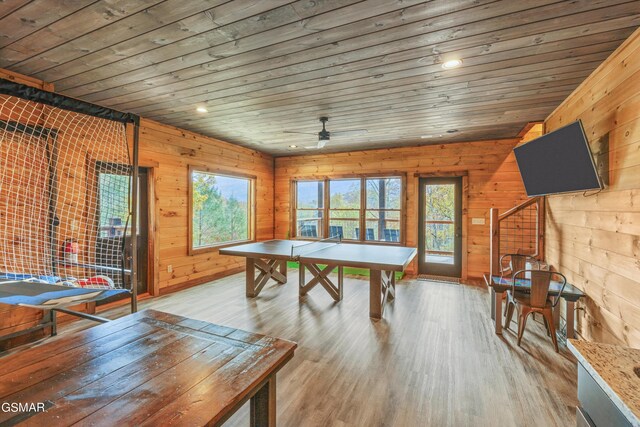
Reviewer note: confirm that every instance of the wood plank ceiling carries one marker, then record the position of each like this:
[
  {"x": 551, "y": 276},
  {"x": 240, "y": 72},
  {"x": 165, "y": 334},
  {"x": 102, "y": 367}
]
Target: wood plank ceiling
[{"x": 260, "y": 67}]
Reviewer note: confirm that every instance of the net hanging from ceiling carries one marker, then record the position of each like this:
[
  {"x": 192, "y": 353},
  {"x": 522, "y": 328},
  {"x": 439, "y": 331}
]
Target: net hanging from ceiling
[{"x": 65, "y": 194}]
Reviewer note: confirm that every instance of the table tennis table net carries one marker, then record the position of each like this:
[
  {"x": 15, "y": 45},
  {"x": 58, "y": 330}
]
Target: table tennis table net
[{"x": 298, "y": 251}]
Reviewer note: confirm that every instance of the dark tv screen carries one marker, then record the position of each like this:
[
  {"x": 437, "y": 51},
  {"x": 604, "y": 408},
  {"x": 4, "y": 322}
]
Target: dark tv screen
[{"x": 558, "y": 162}]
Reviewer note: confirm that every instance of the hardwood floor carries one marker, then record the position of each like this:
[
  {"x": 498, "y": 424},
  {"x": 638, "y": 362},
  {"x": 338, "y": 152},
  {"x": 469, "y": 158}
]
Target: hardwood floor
[{"x": 433, "y": 359}]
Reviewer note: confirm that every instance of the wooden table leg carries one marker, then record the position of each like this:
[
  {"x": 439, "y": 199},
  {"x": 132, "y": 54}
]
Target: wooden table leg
[
  {"x": 283, "y": 267},
  {"x": 498, "y": 311},
  {"x": 570, "y": 307},
  {"x": 263, "y": 405},
  {"x": 375, "y": 294},
  {"x": 556, "y": 314},
  {"x": 251, "y": 278},
  {"x": 301, "y": 279},
  {"x": 492, "y": 297}
]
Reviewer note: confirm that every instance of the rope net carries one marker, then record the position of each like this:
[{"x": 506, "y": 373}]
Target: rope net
[{"x": 64, "y": 196}]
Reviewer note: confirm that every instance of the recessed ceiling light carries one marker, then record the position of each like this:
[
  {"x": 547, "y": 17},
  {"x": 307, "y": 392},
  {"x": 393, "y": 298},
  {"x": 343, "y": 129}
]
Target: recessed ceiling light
[
  {"x": 202, "y": 110},
  {"x": 447, "y": 65},
  {"x": 426, "y": 136},
  {"x": 293, "y": 146}
]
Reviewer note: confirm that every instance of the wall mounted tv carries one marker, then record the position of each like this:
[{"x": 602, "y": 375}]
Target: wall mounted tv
[{"x": 558, "y": 162}]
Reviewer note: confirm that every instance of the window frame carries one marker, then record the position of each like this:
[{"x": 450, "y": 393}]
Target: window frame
[
  {"x": 321, "y": 210},
  {"x": 252, "y": 211},
  {"x": 293, "y": 229}
]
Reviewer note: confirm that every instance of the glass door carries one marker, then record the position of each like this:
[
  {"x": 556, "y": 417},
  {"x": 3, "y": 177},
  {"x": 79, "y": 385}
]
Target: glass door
[{"x": 440, "y": 226}]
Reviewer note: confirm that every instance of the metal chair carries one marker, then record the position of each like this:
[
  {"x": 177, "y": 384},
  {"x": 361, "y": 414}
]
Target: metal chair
[
  {"x": 391, "y": 235},
  {"x": 537, "y": 300},
  {"x": 307, "y": 230},
  {"x": 368, "y": 236},
  {"x": 336, "y": 231},
  {"x": 516, "y": 262}
]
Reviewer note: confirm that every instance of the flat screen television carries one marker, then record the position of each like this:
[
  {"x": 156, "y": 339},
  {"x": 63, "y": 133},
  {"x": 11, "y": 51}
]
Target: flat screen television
[{"x": 558, "y": 162}]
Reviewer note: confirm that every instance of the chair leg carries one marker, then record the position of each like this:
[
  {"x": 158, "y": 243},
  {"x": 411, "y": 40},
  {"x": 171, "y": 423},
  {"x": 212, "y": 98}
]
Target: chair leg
[
  {"x": 548, "y": 315},
  {"x": 522, "y": 322},
  {"x": 510, "y": 308},
  {"x": 546, "y": 325}
]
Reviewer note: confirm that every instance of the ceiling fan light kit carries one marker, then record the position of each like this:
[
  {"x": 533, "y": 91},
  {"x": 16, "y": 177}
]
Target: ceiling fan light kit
[{"x": 324, "y": 135}]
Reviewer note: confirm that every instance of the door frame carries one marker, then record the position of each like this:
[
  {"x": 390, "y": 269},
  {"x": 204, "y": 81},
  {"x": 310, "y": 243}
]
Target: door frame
[{"x": 464, "y": 174}]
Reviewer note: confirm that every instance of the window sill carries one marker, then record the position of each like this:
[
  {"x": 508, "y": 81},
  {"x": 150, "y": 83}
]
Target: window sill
[{"x": 216, "y": 248}]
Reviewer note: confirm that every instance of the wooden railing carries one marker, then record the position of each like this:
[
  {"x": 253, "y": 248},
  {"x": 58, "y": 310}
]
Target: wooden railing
[{"x": 518, "y": 230}]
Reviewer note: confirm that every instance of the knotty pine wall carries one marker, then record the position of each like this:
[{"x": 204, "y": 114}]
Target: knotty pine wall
[
  {"x": 595, "y": 240},
  {"x": 170, "y": 151},
  {"x": 493, "y": 181}
]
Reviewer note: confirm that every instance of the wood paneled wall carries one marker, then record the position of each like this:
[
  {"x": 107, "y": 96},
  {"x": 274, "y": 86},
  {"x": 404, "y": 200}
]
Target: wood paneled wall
[
  {"x": 493, "y": 181},
  {"x": 170, "y": 151},
  {"x": 595, "y": 240}
]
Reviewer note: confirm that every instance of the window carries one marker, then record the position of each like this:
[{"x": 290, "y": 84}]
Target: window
[
  {"x": 344, "y": 208},
  {"x": 114, "y": 204},
  {"x": 372, "y": 204},
  {"x": 383, "y": 209},
  {"x": 310, "y": 206},
  {"x": 222, "y": 209}
]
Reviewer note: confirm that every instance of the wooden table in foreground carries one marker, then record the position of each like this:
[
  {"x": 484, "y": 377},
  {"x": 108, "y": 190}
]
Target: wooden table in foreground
[
  {"x": 499, "y": 285},
  {"x": 148, "y": 368}
]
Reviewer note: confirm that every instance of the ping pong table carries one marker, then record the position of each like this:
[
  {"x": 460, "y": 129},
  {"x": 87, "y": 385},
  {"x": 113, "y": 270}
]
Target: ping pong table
[{"x": 321, "y": 258}]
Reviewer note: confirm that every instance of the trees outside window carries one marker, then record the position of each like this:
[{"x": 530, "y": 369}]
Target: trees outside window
[
  {"x": 359, "y": 208},
  {"x": 439, "y": 218},
  {"x": 221, "y": 209},
  {"x": 383, "y": 209},
  {"x": 310, "y": 208}
]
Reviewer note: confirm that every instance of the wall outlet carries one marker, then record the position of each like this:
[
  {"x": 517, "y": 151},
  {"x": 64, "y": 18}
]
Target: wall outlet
[
  {"x": 477, "y": 221},
  {"x": 169, "y": 268}
]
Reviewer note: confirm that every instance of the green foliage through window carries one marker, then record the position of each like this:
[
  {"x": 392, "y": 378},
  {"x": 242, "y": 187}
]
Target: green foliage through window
[
  {"x": 439, "y": 218},
  {"x": 220, "y": 209}
]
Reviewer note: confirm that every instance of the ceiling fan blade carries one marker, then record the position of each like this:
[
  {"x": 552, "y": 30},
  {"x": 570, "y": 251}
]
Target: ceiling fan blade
[
  {"x": 354, "y": 132},
  {"x": 301, "y": 133}
]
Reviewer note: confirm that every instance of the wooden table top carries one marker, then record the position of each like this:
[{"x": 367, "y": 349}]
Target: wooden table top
[
  {"x": 358, "y": 255},
  {"x": 501, "y": 284},
  {"x": 148, "y": 368}
]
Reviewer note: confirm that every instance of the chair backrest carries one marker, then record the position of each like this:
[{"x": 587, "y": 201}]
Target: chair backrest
[
  {"x": 336, "y": 231},
  {"x": 540, "y": 282},
  {"x": 369, "y": 235},
  {"x": 391, "y": 235},
  {"x": 517, "y": 262},
  {"x": 308, "y": 230}
]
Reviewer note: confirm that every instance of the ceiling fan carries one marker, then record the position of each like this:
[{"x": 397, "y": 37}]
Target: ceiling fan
[{"x": 324, "y": 135}]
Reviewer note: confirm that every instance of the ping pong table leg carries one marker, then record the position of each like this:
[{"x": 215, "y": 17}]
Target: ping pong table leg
[
  {"x": 391, "y": 283},
  {"x": 251, "y": 278},
  {"x": 321, "y": 277},
  {"x": 301, "y": 279},
  {"x": 375, "y": 294}
]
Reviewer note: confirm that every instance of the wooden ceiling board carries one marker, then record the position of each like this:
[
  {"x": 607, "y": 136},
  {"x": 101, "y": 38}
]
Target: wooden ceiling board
[
  {"x": 469, "y": 72},
  {"x": 265, "y": 66},
  {"x": 335, "y": 74}
]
